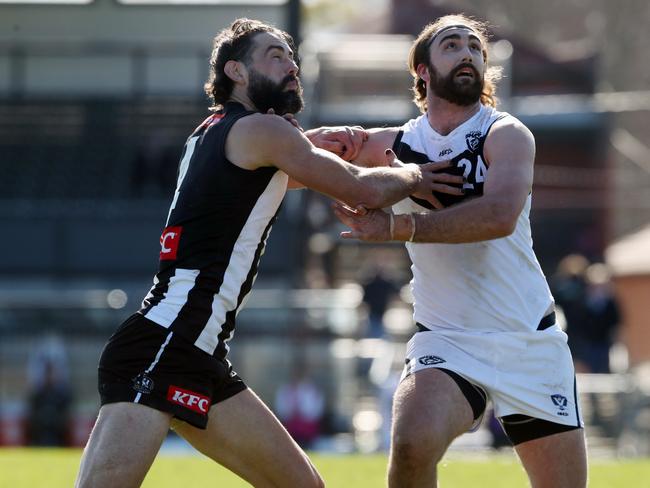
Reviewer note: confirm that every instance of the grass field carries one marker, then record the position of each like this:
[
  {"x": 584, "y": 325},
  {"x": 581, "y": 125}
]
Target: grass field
[{"x": 54, "y": 468}]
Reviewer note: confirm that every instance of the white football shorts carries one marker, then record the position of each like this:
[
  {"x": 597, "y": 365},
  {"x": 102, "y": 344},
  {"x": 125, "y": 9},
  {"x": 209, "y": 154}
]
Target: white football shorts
[{"x": 528, "y": 373}]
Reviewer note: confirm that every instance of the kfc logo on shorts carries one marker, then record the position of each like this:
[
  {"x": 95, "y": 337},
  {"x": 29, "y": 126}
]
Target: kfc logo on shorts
[
  {"x": 188, "y": 399},
  {"x": 169, "y": 242}
]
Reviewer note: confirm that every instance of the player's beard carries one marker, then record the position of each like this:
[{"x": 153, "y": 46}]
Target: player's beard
[
  {"x": 266, "y": 94},
  {"x": 454, "y": 90}
]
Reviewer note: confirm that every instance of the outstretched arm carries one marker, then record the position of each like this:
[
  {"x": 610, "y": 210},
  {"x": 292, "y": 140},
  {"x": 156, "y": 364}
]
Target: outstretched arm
[
  {"x": 277, "y": 143},
  {"x": 372, "y": 148},
  {"x": 364, "y": 147},
  {"x": 510, "y": 151}
]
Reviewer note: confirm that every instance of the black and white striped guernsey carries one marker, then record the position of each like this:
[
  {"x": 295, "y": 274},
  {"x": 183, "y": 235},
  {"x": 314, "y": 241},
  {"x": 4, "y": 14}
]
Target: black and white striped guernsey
[{"x": 216, "y": 231}]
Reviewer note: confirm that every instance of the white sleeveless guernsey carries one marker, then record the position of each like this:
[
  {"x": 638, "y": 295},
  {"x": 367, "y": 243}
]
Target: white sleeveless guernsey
[{"x": 494, "y": 285}]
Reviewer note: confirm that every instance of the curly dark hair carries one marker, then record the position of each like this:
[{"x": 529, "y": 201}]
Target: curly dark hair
[
  {"x": 419, "y": 54},
  {"x": 234, "y": 43}
]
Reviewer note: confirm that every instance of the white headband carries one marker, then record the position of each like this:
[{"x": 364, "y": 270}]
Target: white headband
[{"x": 449, "y": 27}]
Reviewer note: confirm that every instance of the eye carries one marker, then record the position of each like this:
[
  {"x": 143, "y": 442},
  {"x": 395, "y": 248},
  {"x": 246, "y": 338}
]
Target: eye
[
  {"x": 475, "y": 47},
  {"x": 450, "y": 45}
]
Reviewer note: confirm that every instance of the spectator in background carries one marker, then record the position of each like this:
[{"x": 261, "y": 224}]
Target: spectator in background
[
  {"x": 49, "y": 406},
  {"x": 602, "y": 320},
  {"x": 584, "y": 293},
  {"x": 378, "y": 291},
  {"x": 300, "y": 405},
  {"x": 50, "y": 396},
  {"x": 569, "y": 289}
]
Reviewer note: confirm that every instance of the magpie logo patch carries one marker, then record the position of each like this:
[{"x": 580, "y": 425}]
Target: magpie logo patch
[
  {"x": 429, "y": 360},
  {"x": 143, "y": 384}
]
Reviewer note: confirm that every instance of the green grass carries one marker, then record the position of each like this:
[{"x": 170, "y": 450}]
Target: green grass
[{"x": 54, "y": 468}]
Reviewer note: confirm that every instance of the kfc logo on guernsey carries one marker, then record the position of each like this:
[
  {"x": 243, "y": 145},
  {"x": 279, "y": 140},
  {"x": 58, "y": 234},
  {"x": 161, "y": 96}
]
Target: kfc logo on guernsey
[
  {"x": 188, "y": 399},
  {"x": 169, "y": 242}
]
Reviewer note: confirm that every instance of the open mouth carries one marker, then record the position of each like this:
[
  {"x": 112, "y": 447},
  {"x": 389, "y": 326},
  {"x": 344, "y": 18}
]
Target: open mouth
[{"x": 465, "y": 73}]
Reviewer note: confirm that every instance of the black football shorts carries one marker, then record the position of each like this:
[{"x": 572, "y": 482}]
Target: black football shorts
[{"x": 146, "y": 363}]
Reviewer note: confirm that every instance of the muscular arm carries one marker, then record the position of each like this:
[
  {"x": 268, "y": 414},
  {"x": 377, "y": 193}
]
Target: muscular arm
[
  {"x": 510, "y": 151},
  {"x": 276, "y": 143}
]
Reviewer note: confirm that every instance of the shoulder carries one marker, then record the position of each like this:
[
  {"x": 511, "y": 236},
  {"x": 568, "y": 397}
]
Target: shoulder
[
  {"x": 261, "y": 140},
  {"x": 509, "y": 140},
  {"x": 263, "y": 124},
  {"x": 508, "y": 129},
  {"x": 266, "y": 133},
  {"x": 414, "y": 125}
]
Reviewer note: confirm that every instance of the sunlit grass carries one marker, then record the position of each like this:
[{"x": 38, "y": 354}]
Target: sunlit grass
[{"x": 53, "y": 468}]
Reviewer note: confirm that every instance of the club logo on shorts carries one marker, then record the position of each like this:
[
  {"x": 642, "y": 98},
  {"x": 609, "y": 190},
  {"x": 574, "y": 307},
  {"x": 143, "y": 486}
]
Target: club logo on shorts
[
  {"x": 561, "y": 402},
  {"x": 169, "y": 242},
  {"x": 188, "y": 399},
  {"x": 429, "y": 360},
  {"x": 143, "y": 384}
]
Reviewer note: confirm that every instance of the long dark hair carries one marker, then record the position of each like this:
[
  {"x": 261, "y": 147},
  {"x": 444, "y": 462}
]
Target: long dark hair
[
  {"x": 419, "y": 54},
  {"x": 234, "y": 43}
]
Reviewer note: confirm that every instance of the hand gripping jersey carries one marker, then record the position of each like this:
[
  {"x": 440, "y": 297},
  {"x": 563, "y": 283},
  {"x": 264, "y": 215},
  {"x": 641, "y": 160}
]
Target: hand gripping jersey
[
  {"x": 494, "y": 285},
  {"x": 216, "y": 231}
]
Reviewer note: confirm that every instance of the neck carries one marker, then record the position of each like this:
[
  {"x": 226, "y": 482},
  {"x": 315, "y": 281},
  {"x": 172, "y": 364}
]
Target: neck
[
  {"x": 445, "y": 116},
  {"x": 235, "y": 96}
]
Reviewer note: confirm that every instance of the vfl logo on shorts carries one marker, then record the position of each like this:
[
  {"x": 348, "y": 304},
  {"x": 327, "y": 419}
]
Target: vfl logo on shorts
[
  {"x": 143, "y": 384},
  {"x": 188, "y": 399},
  {"x": 561, "y": 402},
  {"x": 429, "y": 360},
  {"x": 169, "y": 242}
]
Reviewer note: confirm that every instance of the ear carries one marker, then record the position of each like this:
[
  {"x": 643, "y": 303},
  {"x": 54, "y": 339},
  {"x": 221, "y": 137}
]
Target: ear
[
  {"x": 235, "y": 71},
  {"x": 423, "y": 72}
]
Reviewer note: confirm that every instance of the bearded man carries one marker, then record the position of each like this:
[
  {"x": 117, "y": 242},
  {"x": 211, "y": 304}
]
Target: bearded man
[
  {"x": 483, "y": 309},
  {"x": 166, "y": 365}
]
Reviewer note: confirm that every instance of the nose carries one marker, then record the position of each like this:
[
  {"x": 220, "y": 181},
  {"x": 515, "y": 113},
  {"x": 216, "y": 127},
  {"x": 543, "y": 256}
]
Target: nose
[
  {"x": 293, "y": 67},
  {"x": 467, "y": 54}
]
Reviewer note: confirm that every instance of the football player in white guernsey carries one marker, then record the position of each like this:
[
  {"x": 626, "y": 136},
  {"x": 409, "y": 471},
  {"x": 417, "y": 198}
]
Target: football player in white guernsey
[
  {"x": 484, "y": 312},
  {"x": 166, "y": 365}
]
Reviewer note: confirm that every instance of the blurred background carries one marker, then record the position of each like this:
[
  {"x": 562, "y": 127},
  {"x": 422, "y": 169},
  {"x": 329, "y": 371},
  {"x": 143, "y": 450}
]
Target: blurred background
[{"x": 97, "y": 98}]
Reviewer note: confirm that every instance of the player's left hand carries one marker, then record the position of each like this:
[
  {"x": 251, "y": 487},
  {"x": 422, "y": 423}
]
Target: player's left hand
[
  {"x": 344, "y": 141},
  {"x": 366, "y": 224}
]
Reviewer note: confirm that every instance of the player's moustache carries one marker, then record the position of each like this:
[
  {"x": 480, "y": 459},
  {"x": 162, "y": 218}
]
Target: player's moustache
[
  {"x": 288, "y": 79},
  {"x": 463, "y": 66}
]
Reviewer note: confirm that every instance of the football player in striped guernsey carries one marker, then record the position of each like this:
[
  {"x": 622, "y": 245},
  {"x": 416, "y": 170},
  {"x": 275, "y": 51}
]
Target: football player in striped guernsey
[{"x": 166, "y": 365}]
